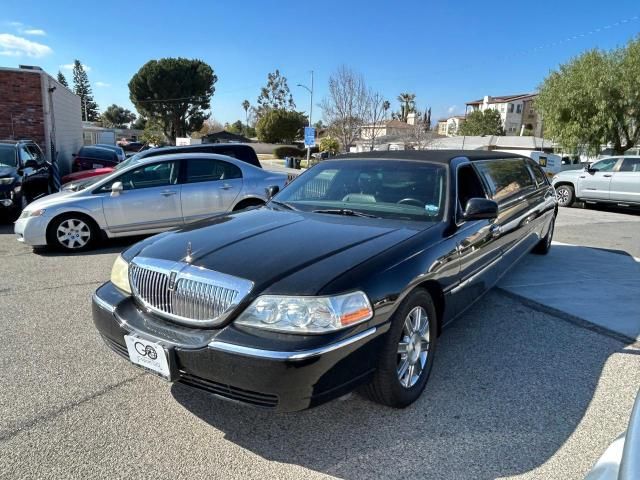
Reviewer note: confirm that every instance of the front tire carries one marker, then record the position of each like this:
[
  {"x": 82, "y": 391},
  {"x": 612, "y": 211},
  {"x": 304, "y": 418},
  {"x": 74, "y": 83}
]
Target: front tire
[
  {"x": 544, "y": 245},
  {"x": 407, "y": 356},
  {"x": 72, "y": 232},
  {"x": 566, "y": 195}
]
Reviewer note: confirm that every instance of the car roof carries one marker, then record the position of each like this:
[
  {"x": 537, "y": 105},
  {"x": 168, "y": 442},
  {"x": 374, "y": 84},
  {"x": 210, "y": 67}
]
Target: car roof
[
  {"x": 186, "y": 156},
  {"x": 16, "y": 142},
  {"x": 436, "y": 156},
  {"x": 200, "y": 146}
]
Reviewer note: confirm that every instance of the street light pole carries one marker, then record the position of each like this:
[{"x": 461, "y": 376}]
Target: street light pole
[{"x": 310, "y": 90}]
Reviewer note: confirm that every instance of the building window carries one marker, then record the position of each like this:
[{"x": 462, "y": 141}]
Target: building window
[
  {"x": 519, "y": 108},
  {"x": 511, "y": 108}
]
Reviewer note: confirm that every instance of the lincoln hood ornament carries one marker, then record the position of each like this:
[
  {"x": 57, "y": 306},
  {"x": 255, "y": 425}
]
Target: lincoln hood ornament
[{"x": 188, "y": 258}]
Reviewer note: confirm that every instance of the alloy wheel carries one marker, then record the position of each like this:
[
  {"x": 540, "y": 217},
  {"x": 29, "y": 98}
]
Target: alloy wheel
[
  {"x": 73, "y": 233},
  {"x": 413, "y": 348},
  {"x": 563, "y": 195}
]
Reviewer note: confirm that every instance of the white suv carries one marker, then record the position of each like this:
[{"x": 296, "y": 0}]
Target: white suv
[{"x": 613, "y": 180}]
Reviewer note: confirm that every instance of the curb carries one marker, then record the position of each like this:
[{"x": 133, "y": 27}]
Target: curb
[{"x": 577, "y": 321}]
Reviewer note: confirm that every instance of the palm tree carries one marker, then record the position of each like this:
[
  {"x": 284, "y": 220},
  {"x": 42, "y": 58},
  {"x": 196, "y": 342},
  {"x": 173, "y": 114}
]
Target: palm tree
[
  {"x": 386, "y": 105},
  {"x": 407, "y": 104},
  {"x": 246, "y": 105}
]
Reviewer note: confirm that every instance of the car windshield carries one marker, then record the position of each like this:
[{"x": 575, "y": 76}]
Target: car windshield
[
  {"x": 7, "y": 156},
  {"x": 129, "y": 161},
  {"x": 397, "y": 189}
]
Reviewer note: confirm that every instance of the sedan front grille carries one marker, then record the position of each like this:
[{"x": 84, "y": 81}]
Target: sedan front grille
[{"x": 184, "y": 293}]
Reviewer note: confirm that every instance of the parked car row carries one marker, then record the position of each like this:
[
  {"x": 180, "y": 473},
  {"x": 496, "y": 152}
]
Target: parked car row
[{"x": 382, "y": 250}]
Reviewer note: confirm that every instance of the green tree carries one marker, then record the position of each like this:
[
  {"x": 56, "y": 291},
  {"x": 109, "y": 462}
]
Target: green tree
[
  {"x": 594, "y": 100},
  {"x": 246, "y": 105},
  {"x": 329, "y": 144},
  {"x": 386, "y": 106},
  {"x": 236, "y": 127},
  {"x": 82, "y": 88},
  {"x": 153, "y": 134},
  {"x": 116, "y": 116},
  {"x": 140, "y": 123},
  {"x": 175, "y": 93},
  {"x": 275, "y": 95},
  {"x": 62, "y": 79},
  {"x": 280, "y": 126},
  {"x": 407, "y": 105},
  {"x": 487, "y": 122}
]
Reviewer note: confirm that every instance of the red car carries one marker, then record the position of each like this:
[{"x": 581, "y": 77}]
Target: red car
[{"x": 73, "y": 177}]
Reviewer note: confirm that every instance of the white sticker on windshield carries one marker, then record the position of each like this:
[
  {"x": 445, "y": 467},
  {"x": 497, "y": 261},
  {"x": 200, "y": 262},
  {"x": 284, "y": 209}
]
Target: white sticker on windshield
[{"x": 431, "y": 208}]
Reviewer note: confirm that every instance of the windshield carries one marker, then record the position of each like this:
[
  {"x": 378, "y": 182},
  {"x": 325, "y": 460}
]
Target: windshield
[
  {"x": 129, "y": 161},
  {"x": 7, "y": 156},
  {"x": 382, "y": 188}
]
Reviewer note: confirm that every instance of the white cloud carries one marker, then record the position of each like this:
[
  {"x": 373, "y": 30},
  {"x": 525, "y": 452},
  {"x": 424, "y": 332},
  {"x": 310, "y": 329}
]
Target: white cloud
[
  {"x": 69, "y": 66},
  {"x": 452, "y": 109},
  {"x": 11, "y": 45},
  {"x": 102, "y": 84},
  {"x": 34, "y": 31},
  {"x": 15, "y": 24}
]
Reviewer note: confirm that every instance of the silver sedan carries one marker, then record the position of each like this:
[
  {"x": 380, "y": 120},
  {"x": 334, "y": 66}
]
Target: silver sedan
[{"x": 146, "y": 197}]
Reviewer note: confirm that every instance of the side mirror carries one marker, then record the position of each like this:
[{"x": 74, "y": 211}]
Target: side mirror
[
  {"x": 272, "y": 190},
  {"x": 480, "y": 209},
  {"x": 31, "y": 164},
  {"x": 116, "y": 188}
]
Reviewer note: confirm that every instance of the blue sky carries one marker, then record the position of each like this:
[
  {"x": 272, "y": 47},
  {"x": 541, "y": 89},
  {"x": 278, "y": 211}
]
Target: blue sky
[{"x": 447, "y": 53}]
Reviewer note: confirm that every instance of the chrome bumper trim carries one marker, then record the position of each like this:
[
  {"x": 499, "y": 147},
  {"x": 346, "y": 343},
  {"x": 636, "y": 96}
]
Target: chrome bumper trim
[
  {"x": 292, "y": 356},
  {"x": 103, "y": 304}
]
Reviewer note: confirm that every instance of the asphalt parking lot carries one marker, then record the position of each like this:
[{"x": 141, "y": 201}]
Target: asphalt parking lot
[{"x": 515, "y": 392}]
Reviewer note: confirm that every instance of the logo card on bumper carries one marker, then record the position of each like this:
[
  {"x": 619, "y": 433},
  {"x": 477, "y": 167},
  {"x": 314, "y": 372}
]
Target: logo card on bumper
[{"x": 148, "y": 355}]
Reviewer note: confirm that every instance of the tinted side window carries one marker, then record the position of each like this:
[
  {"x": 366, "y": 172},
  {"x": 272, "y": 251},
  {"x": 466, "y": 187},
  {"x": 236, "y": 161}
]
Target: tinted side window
[
  {"x": 505, "y": 177},
  {"x": 37, "y": 153},
  {"x": 630, "y": 165},
  {"x": 605, "y": 165},
  {"x": 207, "y": 170},
  {"x": 25, "y": 155},
  {"x": 538, "y": 173},
  {"x": 147, "y": 176}
]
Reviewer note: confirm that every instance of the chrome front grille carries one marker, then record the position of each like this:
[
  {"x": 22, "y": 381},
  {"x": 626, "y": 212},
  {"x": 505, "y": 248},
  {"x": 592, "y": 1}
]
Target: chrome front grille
[{"x": 184, "y": 293}]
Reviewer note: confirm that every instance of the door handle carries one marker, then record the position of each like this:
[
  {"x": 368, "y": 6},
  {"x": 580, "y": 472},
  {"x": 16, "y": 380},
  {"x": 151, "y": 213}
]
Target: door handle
[
  {"x": 495, "y": 230},
  {"x": 606, "y": 175},
  {"x": 226, "y": 186},
  {"x": 167, "y": 193}
]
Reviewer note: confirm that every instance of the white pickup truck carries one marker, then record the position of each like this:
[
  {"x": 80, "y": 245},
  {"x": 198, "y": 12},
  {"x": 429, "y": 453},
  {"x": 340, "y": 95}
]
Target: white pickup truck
[{"x": 613, "y": 180}]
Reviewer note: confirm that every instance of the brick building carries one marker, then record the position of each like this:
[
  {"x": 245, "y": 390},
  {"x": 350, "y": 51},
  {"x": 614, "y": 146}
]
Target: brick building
[{"x": 33, "y": 105}]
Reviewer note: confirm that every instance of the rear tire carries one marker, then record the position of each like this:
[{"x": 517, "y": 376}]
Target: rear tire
[
  {"x": 72, "y": 232},
  {"x": 407, "y": 356},
  {"x": 566, "y": 195},
  {"x": 544, "y": 245}
]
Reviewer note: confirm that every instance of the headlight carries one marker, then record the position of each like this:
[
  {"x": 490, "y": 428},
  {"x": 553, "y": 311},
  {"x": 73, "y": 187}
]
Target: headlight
[
  {"x": 6, "y": 181},
  {"x": 306, "y": 314},
  {"x": 120, "y": 274},
  {"x": 32, "y": 213}
]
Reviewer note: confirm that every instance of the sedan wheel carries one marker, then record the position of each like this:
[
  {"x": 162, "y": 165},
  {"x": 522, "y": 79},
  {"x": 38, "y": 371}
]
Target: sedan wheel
[
  {"x": 413, "y": 348},
  {"x": 73, "y": 234}
]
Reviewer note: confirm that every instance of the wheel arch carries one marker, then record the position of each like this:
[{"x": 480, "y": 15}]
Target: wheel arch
[
  {"x": 79, "y": 213},
  {"x": 434, "y": 289},
  {"x": 248, "y": 202}
]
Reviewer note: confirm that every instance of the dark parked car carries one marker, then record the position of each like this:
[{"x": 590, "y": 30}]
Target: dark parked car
[
  {"x": 346, "y": 277},
  {"x": 92, "y": 156},
  {"x": 24, "y": 174},
  {"x": 241, "y": 152}
]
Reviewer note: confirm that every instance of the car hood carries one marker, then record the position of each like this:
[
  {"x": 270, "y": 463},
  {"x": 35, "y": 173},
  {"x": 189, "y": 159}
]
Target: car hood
[
  {"x": 281, "y": 252},
  {"x": 7, "y": 171},
  {"x": 567, "y": 174},
  {"x": 52, "y": 199}
]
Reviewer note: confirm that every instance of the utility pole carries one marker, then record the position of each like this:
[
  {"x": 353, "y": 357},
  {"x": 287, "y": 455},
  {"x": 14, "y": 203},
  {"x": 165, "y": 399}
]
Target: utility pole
[{"x": 310, "y": 90}]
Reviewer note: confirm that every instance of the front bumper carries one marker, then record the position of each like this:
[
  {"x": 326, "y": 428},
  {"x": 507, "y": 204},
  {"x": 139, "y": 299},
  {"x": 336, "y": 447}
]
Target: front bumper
[
  {"x": 263, "y": 369},
  {"x": 32, "y": 230}
]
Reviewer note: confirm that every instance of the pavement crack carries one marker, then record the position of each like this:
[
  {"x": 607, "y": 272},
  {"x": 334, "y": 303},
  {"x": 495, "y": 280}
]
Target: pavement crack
[
  {"x": 34, "y": 421},
  {"x": 6, "y": 292}
]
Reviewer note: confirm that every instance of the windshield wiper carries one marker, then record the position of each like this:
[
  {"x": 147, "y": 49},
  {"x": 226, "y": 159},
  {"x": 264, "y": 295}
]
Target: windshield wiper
[{"x": 345, "y": 212}]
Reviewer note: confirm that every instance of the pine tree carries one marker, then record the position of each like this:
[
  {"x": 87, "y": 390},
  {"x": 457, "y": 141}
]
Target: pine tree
[
  {"x": 62, "y": 80},
  {"x": 82, "y": 88},
  {"x": 275, "y": 95}
]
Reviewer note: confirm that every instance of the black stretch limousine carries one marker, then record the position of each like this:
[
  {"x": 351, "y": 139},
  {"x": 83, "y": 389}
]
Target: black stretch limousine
[{"x": 345, "y": 278}]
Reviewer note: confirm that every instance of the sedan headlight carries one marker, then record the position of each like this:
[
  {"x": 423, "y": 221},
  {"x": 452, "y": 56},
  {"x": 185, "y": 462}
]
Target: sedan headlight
[
  {"x": 120, "y": 274},
  {"x": 307, "y": 314},
  {"x": 6, "y": 181},
  {"x": 32, "y": 213}
]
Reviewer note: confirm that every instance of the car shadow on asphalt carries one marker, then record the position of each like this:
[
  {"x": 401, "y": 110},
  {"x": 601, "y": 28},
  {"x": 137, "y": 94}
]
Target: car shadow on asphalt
[{"x": 506, "y": 393}]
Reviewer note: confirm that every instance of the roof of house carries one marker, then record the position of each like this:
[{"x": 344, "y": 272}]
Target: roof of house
[
  {"x": 390, "y": 123},
  {"x": 503, "y": 98},
  {"x": 224, "y": 136},
  {"x": 438, "y": 156}
]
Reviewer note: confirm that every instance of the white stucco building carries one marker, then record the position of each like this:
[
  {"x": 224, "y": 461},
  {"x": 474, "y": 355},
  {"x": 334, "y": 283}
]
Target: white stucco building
[{"x": 516, "y": 111}]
